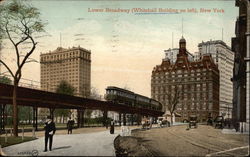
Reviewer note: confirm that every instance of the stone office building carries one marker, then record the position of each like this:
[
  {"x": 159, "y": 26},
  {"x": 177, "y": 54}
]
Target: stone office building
[
  {"x": 223, "y": 57},
  {"x": 72, "y": 65},
  {"x": 196, "y": 81}
]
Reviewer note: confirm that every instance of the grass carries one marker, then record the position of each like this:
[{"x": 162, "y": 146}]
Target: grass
[
  {"x": 14, "y": 140},
  {"x": 58, "y": 125},
  {"x": 30, "y": 126}
]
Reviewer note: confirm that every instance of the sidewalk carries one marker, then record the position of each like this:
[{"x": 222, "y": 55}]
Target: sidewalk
[
  {"x": 88, "y": 144},
  {"x": 232, "y": 131}
]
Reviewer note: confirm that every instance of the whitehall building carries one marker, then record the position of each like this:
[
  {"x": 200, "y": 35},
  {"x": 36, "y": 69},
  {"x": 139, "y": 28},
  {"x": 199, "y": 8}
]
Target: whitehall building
[{"x": 72, "y": 65}]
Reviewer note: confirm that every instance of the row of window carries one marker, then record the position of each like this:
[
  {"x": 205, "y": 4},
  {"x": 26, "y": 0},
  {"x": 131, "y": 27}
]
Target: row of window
[{"x": 65, "y": 55}]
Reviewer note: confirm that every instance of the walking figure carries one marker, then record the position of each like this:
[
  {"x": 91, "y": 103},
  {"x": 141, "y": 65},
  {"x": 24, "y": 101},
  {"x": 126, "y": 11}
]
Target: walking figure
[
  {"x": 50, "y": 130},
  {"x": 150, "y": 122},
  {"x": 70, "y": 125},
  {"x": 112, "y": 127}
]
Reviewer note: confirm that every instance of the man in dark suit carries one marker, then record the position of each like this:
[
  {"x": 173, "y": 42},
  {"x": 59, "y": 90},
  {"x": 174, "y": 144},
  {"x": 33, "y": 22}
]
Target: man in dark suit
[
  {"x": 70, "y": 125},
  {"x": 112, "y": 126},
  {"x": 50, "y": 130}
]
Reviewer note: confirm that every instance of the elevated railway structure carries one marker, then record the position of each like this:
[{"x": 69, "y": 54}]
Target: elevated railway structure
[{"x": 43, "y": 99}]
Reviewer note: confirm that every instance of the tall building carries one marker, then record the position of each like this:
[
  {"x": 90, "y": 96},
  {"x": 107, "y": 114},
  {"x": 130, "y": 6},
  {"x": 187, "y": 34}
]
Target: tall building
[
  {"x": 72, "y": 65},
  {"x": 197, "y": 83},
  {"x": 171, "y": 54},
  {"x": 241, "y": 72},
  {"x": 224, "y": 58}
]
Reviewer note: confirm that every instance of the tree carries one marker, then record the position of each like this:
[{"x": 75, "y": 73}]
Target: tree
[
  {"x": 64, "y": 88},
  {"x": 173, "y": 100},
  {"x": 19, "y": 23},
  {"x": 5, "y": 80},
  {"x": 25, "y": 113},
  {"x": 94, "y": 94}
]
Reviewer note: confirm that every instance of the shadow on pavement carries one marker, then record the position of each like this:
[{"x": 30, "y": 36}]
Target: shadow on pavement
[{"x": 64, "y": 147}]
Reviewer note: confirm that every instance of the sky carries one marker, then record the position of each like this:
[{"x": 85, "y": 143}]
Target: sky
[{"x": 125, "y": 46}]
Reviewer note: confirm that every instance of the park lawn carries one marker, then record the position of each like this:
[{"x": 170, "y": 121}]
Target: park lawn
[
  {"x": 30, "y": 126},
  {"x": 14, "y": 140}
]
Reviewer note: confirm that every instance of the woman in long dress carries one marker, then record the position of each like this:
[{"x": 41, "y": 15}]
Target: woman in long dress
[{"x": 112, "y": 127}]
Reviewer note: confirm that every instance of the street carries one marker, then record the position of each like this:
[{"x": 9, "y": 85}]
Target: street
[{"x": 177, "y": 141}]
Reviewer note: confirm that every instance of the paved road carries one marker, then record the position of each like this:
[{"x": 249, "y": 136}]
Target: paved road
[
  {"x": 89, "y": 144},
  {"x": 205, "y": 140}
]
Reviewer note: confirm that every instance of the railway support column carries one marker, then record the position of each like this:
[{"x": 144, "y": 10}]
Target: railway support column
[
  {"x": 105, "y": 118},
  {"x": 82, "y": 118},
  {"x": 51, "y": 111},
  {"x": 132, "y": 119},
  {"x": 35, "y": 118},
  {"x": 2, "y": 120},
  {"x": 120, "y": 119},
  {"x": 124, "y": 119},
  {"x": 78, "y": 118},
  {"x": 156, "y": 120}
]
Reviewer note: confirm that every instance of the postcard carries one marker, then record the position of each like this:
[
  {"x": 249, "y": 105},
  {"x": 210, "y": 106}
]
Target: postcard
[{"x": 124, "y": 78}]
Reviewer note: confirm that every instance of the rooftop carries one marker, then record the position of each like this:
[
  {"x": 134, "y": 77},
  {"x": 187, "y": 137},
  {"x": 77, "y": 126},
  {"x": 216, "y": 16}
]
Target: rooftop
[
  {"x": 61, "y": 49},
  {"x": 213, "y": 42}
]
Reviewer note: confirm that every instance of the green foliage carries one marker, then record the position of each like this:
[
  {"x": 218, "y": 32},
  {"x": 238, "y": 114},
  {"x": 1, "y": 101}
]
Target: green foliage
[
  {"x": 14, "y": 140},
  {"x": 19, "y": 23},
  {"x": 16, "y": 15},
  {"x": 24, "y": 114},
  {"x": 65, "y": 88},
  {"x": 97, "y": 120},
  {"x": 88, "y": 112},
  {"x": 5, "y": 80},
  {"x": 62, "y": 112},
  {"x": 94, "y": 94}
]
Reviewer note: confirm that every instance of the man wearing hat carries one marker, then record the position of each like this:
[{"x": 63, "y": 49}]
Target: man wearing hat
[{"x": 50, "y": 130}]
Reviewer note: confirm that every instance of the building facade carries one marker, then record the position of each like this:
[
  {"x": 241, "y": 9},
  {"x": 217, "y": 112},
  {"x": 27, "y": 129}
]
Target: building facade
[
  {"x": 171, "y": 54},
  {"x": 197, "y": 83},
  {"x": 241, "y": 72},
  {"x": 224, "y": 58},
  {"x": 72, "y": 65}
]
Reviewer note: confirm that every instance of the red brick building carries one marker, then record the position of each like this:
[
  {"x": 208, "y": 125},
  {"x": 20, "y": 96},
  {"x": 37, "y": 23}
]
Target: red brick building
[{"x": 196, "y": 81}]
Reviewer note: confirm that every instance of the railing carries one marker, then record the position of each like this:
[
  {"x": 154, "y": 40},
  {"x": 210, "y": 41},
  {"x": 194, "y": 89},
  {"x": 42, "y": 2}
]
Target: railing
[{"x": 28, "y": 83}]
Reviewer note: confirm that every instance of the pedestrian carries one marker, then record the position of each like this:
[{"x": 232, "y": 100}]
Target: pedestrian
[
  {"x": 144, "y": 121},
  {"x": 150, "y": 122},
  {"x": 50, "y": 130},
  {"x": 70, "y": 126},
  {"x": 112, "y": 126}
]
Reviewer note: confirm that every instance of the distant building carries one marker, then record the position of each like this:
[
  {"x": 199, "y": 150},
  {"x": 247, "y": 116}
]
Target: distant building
[
  {"x": 171, "y": 54},
  {"x": 196, "y": 81},
  {"x": 72, "y": 65},
  {"x": 197, "y": 56},
  {"x": 223, "y": 56},
  {"x": 241, "y": 72}
]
